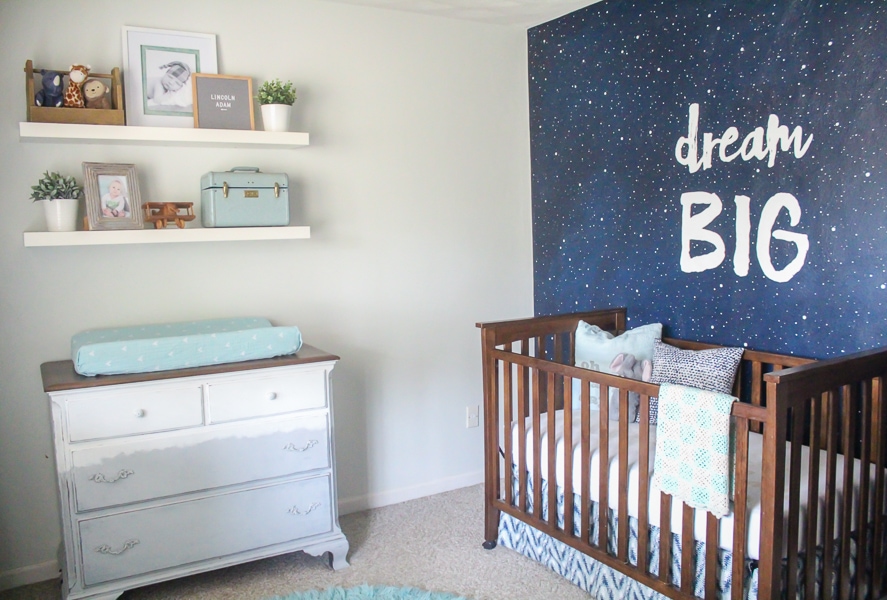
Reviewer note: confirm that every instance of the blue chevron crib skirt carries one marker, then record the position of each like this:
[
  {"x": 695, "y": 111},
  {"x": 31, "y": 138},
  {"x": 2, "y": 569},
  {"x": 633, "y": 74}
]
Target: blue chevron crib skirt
[{"x": 604, "y": 583}]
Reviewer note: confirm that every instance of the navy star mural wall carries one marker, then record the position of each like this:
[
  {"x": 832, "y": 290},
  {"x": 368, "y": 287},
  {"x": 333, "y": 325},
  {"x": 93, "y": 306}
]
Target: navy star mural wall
[{"x": 718, "y": 166}]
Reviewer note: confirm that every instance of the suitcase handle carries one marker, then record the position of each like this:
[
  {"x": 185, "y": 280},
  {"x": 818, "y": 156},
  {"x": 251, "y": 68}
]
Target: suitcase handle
[{"x": 249, "y": 169}]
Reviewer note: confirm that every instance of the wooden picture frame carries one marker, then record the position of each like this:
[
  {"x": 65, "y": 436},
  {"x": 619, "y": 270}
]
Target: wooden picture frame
[
  {"x": 223, "y": 101},
  {"x": 158, "y": 66},
  {"x": 112, "y": 196}
]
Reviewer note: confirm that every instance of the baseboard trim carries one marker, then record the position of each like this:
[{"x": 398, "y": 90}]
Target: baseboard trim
[
  {"x": 28, "y": 575},
  {"x": 380, "y": 499}
]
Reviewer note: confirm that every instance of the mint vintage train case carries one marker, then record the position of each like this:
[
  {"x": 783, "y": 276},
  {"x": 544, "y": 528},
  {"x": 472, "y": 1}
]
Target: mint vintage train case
[{"x": 244, "y": 197}]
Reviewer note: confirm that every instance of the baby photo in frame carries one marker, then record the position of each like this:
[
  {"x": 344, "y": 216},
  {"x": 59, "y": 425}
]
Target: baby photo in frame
[
  {"x": 112, "y": 196},
  {"x": 158, "y": 68}
]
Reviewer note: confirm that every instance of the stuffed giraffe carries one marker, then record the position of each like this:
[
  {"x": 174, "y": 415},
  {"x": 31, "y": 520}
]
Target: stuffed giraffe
[{"x": 73, "y": 93}]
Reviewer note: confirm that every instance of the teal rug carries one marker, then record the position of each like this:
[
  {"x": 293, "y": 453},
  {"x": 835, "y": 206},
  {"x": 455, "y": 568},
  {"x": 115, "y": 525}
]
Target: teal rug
[{"x": 366, "y": 592}]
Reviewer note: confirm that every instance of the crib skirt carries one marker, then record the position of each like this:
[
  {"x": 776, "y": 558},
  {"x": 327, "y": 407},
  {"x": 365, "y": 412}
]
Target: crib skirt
[{"x": 605, "y": 583}]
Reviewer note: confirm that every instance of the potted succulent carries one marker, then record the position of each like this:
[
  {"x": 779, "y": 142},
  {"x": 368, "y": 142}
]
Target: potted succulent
[
  {"x": 277, "y": 100},
  {"x": 60, "y": 197}
]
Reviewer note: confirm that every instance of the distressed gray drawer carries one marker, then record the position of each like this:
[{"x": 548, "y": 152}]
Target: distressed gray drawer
[
  {"x": 147, "y": 468},
  {"x": 141, "y": 541}
]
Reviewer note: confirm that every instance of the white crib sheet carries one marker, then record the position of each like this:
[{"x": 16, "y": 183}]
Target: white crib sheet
[{"x": 726, "y": 528}]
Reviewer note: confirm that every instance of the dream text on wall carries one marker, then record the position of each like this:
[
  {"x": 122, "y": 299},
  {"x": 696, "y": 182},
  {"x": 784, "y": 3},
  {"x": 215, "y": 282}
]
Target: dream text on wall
[{"x": 761, "y": 144}]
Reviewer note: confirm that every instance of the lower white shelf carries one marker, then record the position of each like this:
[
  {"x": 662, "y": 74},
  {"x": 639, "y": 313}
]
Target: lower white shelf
[{"x": 164, "y": 236}]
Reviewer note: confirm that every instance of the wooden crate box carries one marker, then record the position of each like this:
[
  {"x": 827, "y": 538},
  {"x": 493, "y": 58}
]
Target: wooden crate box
[{"x": 90, "y": 116}]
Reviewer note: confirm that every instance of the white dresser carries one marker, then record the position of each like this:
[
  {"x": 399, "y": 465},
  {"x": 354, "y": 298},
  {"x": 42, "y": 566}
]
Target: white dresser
[{"x": 167, "y": 474}]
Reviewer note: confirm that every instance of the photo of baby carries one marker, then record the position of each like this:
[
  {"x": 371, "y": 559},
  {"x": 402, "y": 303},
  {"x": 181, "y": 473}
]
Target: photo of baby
[
  {"x": 115, "y": 202},
  {"x": 167, "y": 81},
  {"x": 158, "y": 70}
]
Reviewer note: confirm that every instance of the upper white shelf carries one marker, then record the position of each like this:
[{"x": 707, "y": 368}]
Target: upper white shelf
[
  {"x": 164, "y": 236},
  {"x": 171, "y": 136}
]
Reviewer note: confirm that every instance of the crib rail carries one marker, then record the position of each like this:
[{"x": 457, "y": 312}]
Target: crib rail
[
  {"x": 838, "y": 406},
  {"x": 528, "y": 376}
]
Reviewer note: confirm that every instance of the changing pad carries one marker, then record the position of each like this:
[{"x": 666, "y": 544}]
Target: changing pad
[{"x": 148, "y": 348}]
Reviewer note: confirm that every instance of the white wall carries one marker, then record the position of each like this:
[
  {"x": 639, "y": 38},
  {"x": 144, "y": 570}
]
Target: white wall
[{"x": 416, "y": 187}]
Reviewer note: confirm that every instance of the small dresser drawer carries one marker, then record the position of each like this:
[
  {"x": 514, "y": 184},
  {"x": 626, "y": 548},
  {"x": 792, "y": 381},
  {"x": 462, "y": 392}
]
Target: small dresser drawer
[
  {"x": 130, "y": 411},
  {"x": 174, "y": 535},
  {"x": 144, "y": 469},
  {"x": 266, "y": 394}
]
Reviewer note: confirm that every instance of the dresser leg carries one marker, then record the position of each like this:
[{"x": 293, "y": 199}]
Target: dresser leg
[{"x": 338, "y": 551}]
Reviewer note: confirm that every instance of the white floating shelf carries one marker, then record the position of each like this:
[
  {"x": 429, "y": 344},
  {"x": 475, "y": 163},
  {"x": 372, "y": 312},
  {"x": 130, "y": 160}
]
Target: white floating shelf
[
  {"x": 164, "y": 236},
  {"x": 171, "y": 136}
]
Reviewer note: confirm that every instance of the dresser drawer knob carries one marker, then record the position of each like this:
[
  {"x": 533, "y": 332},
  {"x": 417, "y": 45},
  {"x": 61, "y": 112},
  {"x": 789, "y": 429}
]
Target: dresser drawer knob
[
  {"x": 140, "y": 413},
  {"x": 272, "y": 396},
  {"x": 295, "y": 509},
  {"x": 121, "y": 474},
  {"x": 294, "y": 448},
  {"x": 106, "y": 549}
]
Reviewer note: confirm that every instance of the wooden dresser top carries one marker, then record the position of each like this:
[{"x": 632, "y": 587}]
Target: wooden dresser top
[{"x": 60, "y": 375}]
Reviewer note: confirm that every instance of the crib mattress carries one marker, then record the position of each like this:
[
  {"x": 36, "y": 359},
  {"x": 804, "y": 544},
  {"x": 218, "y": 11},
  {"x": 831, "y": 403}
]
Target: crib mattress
[
  {"x": 726, "y": 523},
  {"x": 161, "y": 347}
]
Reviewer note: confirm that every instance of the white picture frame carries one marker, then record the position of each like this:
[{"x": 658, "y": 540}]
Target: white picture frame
[{"x": 157, "y": 68}]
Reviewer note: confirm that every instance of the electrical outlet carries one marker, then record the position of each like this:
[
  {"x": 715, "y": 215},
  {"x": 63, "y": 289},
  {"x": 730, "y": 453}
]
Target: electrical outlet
[{"x": 472, "y": 416}]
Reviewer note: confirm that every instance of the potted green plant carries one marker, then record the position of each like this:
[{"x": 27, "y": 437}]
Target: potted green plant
[
  {"x": 276, "y": 99},
  {"x": 60, "y": 197}
]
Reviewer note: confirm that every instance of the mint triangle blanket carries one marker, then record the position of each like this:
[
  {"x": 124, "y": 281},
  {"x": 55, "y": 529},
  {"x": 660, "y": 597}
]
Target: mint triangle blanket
[{"x": 694, "y": 460}]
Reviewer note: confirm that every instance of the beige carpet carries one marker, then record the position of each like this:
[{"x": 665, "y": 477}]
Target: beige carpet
[{"x": 432, "y": 543}]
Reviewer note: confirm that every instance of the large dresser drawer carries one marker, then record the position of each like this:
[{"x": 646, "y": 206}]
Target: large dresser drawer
[
  {"x": 147, "y": 540},
  {"x": 129, "y": 411},
  {"x": 266, "y": 394},
  {"x": 146, "y": 468}
]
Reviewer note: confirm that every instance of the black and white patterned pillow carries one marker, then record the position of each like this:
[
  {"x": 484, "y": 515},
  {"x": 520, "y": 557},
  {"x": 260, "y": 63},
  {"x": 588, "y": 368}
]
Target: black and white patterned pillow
[{"x": 713, "y": 370}]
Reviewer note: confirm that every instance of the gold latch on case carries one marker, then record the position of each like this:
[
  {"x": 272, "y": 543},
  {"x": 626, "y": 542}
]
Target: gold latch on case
[
  {"x": 250, "y": 193},
  {"x": 225, "y": 189},
  {"x": 277, "y": 190}
]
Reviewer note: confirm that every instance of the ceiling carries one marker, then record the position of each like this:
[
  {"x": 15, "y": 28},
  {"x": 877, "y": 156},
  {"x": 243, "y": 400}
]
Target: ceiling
[{"x": 526, "y": 13}]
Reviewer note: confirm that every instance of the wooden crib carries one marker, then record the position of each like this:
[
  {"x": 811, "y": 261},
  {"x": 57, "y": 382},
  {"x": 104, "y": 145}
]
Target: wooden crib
[{"x": 821, "y": 411}]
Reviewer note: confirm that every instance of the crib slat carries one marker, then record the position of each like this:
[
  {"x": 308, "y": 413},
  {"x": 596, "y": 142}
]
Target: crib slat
[
  {"x": 568, "y": 455},
  {"x": 536, "y": 412},
  {"x": 585, "y": 465},
  {"x": 813, "y": 494},
  {"x": 552, "y": 445},
  {"x": 664, "y": 536},
  {"x": 863, "y": 575},
  {"x": 880, "y": 581},
  {"x": 849, "y": 410},
  {"x": 740, "y": 509},
  {"x": 507, "y": 372},
  {"x": 711, "y": 557},
  {"x": 688, "y": 547},
  {"x": 828, "y": 574},
  {"x": 794, "y": 494},
  {"x": 644, "y": 485},
  {"x": 756, "y": 381},
  {"x": 603, "y": 473},
  {"x": 559, "y": 358},
  {"x": 623, "y": 470},
  {"x": 523, "y": 390}
]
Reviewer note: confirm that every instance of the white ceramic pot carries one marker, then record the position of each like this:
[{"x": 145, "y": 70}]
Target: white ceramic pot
[
  {"x": 61, "y": 214},
  {"x": 276, "y": 117}
]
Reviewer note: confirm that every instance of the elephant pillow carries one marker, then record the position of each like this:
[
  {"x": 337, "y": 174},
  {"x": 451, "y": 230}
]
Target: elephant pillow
[{"x": 595, "y": 349}]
